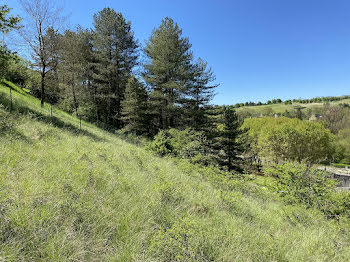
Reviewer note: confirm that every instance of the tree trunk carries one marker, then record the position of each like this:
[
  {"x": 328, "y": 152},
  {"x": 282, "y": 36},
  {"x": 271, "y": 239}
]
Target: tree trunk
[
  {"x": 42, "y": 87},
  {"x": 73, "y": 93}
]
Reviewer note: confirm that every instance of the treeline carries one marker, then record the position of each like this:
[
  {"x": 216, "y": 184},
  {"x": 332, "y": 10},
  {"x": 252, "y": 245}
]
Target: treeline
[
  {"x": 297, "y": 101},
  {"x": 98, "y": 75}
]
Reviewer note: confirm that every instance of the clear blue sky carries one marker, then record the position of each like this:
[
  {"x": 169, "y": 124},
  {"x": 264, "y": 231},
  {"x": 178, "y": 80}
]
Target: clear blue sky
[{"x": 258, "y": 49}]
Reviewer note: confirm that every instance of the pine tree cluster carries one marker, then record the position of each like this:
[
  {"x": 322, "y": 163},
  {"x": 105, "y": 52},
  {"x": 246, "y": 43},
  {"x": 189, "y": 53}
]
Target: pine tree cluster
[{"x": 98, "y": 75}]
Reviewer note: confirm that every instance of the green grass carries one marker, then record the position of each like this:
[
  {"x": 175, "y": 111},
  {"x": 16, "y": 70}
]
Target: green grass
[{"x": 71, "y": 195}]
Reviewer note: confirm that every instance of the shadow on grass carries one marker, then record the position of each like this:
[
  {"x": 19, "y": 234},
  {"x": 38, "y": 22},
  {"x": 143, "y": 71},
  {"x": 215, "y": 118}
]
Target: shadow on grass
[
  {"x": 12, "y": 132},
  {"x": 74, "y": 130}
]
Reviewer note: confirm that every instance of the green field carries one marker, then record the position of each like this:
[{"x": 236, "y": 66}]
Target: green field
[
  {"x": 281, "y": 108},
  {"x": 88, "y": 195}
]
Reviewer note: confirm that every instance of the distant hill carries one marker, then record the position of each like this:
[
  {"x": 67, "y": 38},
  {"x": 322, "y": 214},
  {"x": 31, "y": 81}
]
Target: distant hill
[{"x": 282, "y": 107}]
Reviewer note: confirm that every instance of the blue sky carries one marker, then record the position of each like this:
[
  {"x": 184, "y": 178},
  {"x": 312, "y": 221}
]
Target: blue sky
[{"x": 258, "y": 49}]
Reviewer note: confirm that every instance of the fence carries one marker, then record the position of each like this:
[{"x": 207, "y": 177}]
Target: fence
[{"x": 51, "y": 108}]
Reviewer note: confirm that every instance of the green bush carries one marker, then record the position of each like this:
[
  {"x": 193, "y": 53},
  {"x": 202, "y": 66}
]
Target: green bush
[
  {"x": 298, "y": 183},
  {"x": 161, "y": 144},
  {"x": 338, "y": 205},
  {"x": 187, "y": 144}
]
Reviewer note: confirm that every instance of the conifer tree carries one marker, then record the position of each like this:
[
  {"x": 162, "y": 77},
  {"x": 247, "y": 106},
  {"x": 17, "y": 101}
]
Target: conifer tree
[
  {"x": 134, "y": 107},
  {"x": 227, "y": 143},
  {"x": 199, "y": 94},
  {"x": 7, "y": 23},
  {"x": 73, "y": 68},
  {"x": 115, "y": 54},
  {"x": 87, "y": 104},
  {"x": 52, "y": 59},
  {"x": 167, "y": 72}
]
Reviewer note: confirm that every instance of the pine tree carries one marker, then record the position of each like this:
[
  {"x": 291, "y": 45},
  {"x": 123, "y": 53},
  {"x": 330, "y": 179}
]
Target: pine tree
[
  {"x": 134, "y": 107},
  {"x": 115, "y": 54},
  {"x": 51, "y": 55},
  {"x": 227, "y": 143},
  {"x": 7, "y": 23},
  {"x": 72, "y": 68},
  {"x": 198, "y": 95},
  {"x": 167, "y": 72},
  {"x": 87, "y": 104}
]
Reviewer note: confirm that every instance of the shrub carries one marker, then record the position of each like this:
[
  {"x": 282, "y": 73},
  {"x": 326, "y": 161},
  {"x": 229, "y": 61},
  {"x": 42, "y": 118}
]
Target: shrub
[
  {"x": 298, "y": 183},
  {"x": 188, "y": 144},
  {"x": 339, "y": 205},
  {"x": 161, "y": 144}
]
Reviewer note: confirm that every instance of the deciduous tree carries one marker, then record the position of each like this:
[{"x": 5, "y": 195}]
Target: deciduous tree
[{"x": 42, "y": 19}]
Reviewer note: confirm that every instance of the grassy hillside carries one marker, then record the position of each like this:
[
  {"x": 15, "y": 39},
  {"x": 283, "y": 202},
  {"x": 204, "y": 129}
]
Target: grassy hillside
[
  {"x": 281, "y": 108},
  {"x": 71, "y": 195}
]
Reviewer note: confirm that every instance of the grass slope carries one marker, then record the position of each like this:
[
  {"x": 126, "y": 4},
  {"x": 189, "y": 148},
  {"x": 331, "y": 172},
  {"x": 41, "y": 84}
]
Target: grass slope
[{"x": 71, "y": 195}]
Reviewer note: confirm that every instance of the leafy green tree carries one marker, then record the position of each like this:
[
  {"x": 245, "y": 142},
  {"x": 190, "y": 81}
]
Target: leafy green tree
[
  {"x": 286, "y": 139},
  {"x": 343, "y": 146},
  {"x": 336, "y": 117},
  {"x": 17, "y": 70},
  {"x": 298, "y": 112},
  {"x": 134, "y": 107},
  {"x": 115, "y": 54},
  {"x": 167, "y": 72},
  {"x": 41, "y": 33}
]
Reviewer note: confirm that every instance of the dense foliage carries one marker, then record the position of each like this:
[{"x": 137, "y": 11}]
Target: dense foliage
[
  {"x": 286, "y": 139},
  {"x": 189, "y": 144},
  {"x": 297, "y": 183},
  {"x": 222, "y": 146}
]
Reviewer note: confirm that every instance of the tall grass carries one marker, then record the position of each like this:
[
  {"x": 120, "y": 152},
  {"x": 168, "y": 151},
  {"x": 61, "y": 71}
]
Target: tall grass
[{"x": 87, "y": 195}]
